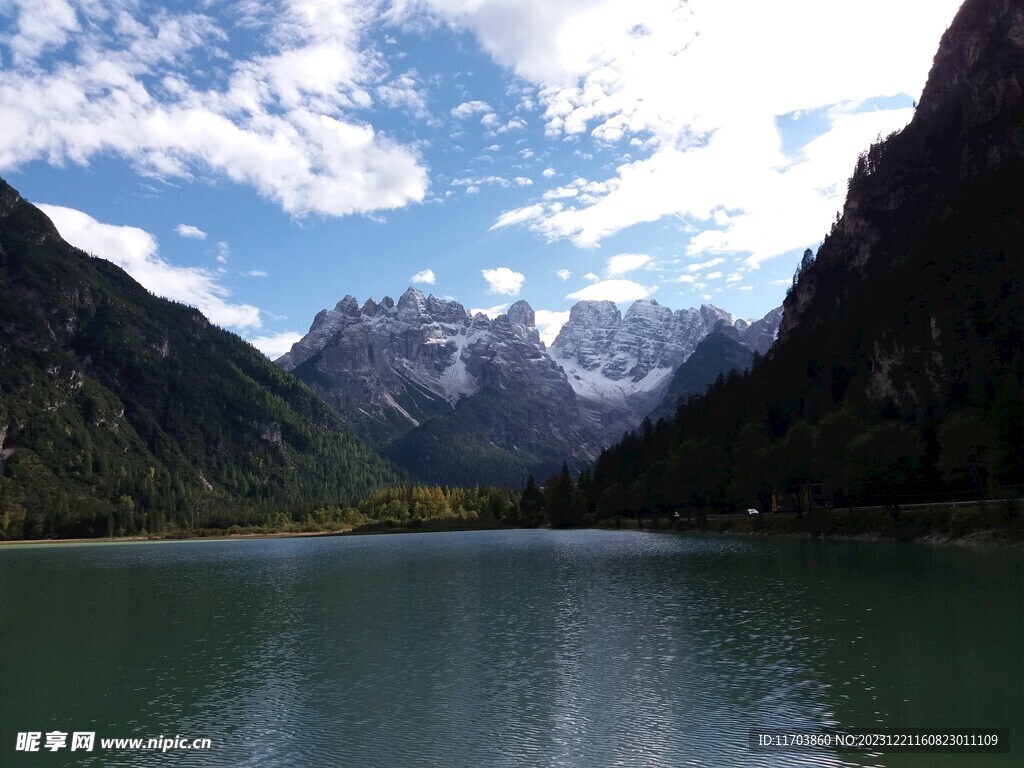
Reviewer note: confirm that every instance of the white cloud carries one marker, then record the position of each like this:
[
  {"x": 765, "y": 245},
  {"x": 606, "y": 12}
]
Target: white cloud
[
  {"x": 547, "y": 173},
  {"x": 275, "y": 345},
  {"x": 503, "y": 280},
  {"x": 564, "y": 274},
  {"x": 685, "y": 279},
  {"x": 518, "y": 216},
  {"x": 470, "y": 181},
  {"x": 623, "y": 263},
  {"x": 705, "y": 265},
  {"x": 515, "y": 124},
  {"x": 41, "y": 25},
  {"x": 405, "y": 92},
  {"x": 136, "y": 252},
  {"x": 549, "y": 323},
  {"x": 255, "y": 273},
  {"x": 675, "y": 78},
  {"x": 713, "y": 276},
  {"x": 590, "y": 277},
  {"x": 424, "y": 277},
  {"x": 223, "y": 252},
  {"x": 613, "y": 290},
  {"x": 470, "y": 108},
  {"x": 190, "y": 231},
  {"x": 288, "y": 121}
]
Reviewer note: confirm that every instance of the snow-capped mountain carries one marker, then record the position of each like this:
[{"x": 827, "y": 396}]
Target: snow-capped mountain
[
  {"x": 411, "y": 375},
  {"x": 620, "y": 366},
  {"x": 389, "y": 367}
]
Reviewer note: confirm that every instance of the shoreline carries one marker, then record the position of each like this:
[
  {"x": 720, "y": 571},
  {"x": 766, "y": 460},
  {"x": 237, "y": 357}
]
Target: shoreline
[
  {"x": 195, "y": 537},
  {"x": 971, "y": 529}
]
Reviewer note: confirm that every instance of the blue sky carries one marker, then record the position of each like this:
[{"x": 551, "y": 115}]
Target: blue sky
[{"x": 261, "y": 159}]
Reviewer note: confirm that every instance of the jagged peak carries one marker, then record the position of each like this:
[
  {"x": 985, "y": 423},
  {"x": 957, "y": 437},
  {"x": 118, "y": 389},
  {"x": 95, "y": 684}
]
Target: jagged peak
[
  {"x": 588, "y": 309},
  {"x": 348, "y": 306},
  {"x": 413, "y": 297},
  {"x": 448, "y": 311},
  {"x": 522, "y": 313},
  {"x": 646, "y": 308}
]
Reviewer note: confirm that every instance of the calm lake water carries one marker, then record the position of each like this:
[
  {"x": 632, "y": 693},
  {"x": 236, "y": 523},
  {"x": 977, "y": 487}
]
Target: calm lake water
[{"x": 516, "y": 648}]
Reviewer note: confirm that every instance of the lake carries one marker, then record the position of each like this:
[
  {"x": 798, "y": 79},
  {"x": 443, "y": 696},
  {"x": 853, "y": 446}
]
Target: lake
[{"x": 505, "y": 648}]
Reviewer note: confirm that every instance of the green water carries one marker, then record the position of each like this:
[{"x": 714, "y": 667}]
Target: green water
[{"x": 517, "y": 648}]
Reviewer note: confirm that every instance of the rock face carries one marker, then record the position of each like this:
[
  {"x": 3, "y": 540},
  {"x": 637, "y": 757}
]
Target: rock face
[
  {"x": 761, "y": 334},
  {"x": 620, "y": 367}
]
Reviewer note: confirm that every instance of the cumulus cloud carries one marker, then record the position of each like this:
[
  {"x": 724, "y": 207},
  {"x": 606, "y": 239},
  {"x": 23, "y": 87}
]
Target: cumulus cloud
[
  {"x": 563, "y": 274},
  {"x": 503, "y": 280},
  {"x": 424, "y": 277},
  {"x": 190, "y": 231},
  {"x": 590, "y": 277},
  {"x": 470, "y": 108},
  {"x": 136, "y": 252},
  {"x": 613, "y": 290},
  {"x": 287, "y": 121},
  {"x": 623, "y": 263}
]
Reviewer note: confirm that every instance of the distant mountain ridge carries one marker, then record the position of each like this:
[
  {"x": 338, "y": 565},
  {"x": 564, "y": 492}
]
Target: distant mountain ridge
[{"x": 418, "y": 376}]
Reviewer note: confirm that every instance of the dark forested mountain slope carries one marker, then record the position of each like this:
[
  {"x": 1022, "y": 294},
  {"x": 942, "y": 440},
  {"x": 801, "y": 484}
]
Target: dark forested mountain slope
[
  {"x": 899, "y": 368},
  {"x": 720, "y": 352},
  {"x": 122, "y": 412}
]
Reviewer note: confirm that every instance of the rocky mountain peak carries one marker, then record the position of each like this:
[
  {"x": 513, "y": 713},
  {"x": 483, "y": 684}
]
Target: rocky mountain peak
[
  {"x": 522, "y": 313},
  {"x": 595, "y": 314},
  {"x": 413, "y": 301},
  {"x": 348, "y": 306}
]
